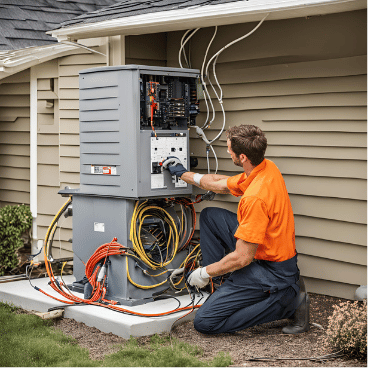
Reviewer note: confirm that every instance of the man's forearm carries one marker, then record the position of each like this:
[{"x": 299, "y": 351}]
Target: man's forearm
[
  {"x": 213, "y": 182},
  {"x": 242, "y": 256},
  {"x": 227, "y": 264}
]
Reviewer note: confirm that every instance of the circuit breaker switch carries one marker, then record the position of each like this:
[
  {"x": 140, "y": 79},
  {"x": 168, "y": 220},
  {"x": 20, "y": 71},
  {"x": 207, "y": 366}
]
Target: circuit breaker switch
[{"x": 156, "y": 167}]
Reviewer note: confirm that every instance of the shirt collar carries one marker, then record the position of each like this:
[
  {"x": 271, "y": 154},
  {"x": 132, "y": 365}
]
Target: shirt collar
[{"x": 245, "y": 180}]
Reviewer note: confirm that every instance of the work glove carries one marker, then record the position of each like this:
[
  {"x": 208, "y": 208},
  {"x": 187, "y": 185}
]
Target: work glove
[
  {"x": 174, "y": 165},
  {"x": 199, "y": 278}
]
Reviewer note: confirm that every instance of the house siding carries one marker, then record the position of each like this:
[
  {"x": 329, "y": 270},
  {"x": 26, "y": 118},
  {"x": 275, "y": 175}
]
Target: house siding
[
  {"x": 14, "y": 139},
  {"x": 146, "y": 50},
  {"x": 58, "y": 139},
  {"x": 303, "y": 82}
]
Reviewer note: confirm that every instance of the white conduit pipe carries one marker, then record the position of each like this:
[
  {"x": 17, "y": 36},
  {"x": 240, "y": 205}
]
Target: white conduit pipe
[
  {"x": 33, "y": 158},
  {"x": 215, "y": 56}
]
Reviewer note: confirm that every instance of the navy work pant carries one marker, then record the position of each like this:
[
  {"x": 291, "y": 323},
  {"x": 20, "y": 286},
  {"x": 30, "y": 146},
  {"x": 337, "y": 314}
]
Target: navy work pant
[{"x": 261, "y": 292}]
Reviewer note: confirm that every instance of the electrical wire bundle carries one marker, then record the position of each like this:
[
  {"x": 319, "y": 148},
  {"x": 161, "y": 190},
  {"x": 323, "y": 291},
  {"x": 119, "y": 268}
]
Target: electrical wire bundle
[
  {"x": 206, "y": 79},
  {"x": 157, "y": 233},
  {"x": 98, "y": 264},
  {"x": 187, "y": 221},
  {"x": 153, "y": 234}
]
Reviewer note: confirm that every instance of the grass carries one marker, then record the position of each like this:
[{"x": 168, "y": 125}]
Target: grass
[
  {"x": 162, "y": 354},
  {"x": 28, "y": 341}
]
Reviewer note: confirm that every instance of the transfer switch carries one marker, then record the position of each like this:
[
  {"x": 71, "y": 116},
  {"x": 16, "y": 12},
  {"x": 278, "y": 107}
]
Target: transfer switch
[{"x": 132, "y": 117}]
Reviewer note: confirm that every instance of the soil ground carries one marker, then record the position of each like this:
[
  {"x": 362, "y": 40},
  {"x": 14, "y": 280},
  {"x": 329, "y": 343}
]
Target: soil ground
[{"x": 265, "y": 340}]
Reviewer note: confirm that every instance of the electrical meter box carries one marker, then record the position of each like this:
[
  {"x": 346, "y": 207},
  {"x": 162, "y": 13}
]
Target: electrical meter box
[{"x": 131, "y": 118}]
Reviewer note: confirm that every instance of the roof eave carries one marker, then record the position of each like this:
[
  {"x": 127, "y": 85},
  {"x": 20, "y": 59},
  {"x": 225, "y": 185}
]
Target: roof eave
[
  {"x": 206, "y": 16},
  {"x": 15, "y": 61}
]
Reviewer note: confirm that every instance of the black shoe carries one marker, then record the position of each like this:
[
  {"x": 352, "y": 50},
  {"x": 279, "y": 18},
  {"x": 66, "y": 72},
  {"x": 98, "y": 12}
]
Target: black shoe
[{"x": 300, "y": 318}]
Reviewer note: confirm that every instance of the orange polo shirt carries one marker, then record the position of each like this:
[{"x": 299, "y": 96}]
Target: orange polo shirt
[{"x": 264, "y": 213}]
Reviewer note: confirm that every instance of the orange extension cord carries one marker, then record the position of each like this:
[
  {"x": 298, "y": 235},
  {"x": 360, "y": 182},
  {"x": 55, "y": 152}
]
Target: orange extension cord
[{"x": 99, "y": 290}]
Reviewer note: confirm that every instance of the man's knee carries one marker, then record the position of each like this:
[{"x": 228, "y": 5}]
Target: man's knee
[
  {"x": 205, "y": 215},
  {"x": 200, "y": 324}
]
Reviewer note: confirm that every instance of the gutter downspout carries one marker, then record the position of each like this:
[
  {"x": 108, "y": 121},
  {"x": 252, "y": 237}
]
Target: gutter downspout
[{"x": 33, "y": 159}]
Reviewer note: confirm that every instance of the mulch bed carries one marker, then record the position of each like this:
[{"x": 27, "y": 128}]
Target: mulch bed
[{"x": 265, "y": 340}]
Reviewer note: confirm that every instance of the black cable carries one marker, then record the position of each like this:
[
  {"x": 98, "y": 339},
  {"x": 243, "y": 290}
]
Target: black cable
[
  {"x": 29, "y": 275},
  {"x": 67, "y": 305},
  {"x": 336, "y": 354}
]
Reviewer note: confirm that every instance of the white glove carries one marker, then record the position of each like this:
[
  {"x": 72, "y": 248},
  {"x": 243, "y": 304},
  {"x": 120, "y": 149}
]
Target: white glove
[{"x": 199, "y": 278}]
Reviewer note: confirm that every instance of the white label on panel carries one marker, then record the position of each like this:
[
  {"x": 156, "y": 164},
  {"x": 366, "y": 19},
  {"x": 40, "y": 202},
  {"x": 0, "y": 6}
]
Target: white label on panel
[
  {"x": 163, "y": 147},
  {"x": 99, "y": 226},
  {"x": 157, "y": 181},
  {"x": 103, "y": 170}
]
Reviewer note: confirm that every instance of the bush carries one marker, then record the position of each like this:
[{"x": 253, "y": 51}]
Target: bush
[
  {"x": 14, "y": 221},
  {"x": 347, "y": 329}
]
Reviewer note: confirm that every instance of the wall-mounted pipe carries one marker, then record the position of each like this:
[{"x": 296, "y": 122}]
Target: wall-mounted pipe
[{"x": 33, "y": 157}]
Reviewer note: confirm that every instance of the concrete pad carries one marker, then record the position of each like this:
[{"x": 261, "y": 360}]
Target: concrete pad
[{"x": 21, "y": 294}]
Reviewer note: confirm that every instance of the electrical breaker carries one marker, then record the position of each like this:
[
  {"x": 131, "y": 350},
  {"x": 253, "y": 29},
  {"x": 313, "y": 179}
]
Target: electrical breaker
[
  {"x": 168, "y": 101},
  {"x": 131, "y": 118},
  {"x": 163, "y": 146}
]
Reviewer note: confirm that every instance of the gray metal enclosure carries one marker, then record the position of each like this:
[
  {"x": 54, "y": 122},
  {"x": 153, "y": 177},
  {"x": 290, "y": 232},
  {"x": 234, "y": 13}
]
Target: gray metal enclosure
[
  {"x": 131, "y": 118},
  {"x": 118, "y": 155},
  {"x": 97, "y": 220}
]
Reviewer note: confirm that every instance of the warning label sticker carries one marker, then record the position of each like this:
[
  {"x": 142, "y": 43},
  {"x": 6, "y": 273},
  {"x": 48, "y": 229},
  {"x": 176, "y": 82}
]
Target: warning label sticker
[
  {"x": 99, "y": 226},
  {"x": 103, "y": 170}
]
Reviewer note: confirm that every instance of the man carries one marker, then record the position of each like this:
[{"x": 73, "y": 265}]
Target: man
[{"x": 256, "y": 245}]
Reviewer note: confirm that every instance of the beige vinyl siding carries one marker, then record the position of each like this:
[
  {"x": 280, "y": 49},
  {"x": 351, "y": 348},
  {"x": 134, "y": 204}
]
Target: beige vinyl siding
[
  {"x": 303, "y": 81},
  {"x": 146, "y": 50},
  {"x": 14, "y": 139},
  {"x": 48, "y": 201}
]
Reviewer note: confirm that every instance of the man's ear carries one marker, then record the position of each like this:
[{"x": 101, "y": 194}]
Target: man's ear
[{"x": 243, "y": 158}]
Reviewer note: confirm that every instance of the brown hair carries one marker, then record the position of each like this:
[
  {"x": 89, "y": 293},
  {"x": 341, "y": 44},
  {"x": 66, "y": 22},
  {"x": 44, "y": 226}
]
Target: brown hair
[{"x": 249, "y": 140}]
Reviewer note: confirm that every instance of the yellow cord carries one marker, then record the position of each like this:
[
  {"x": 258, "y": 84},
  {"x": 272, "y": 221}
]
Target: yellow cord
[
  {"x": 51, "y": 229},
  {"x": 185, "y": 262},
  {"x": 62, "y": 268},
  {"x": 141, "y": 212},
  {"x": 141, "y": 286}
]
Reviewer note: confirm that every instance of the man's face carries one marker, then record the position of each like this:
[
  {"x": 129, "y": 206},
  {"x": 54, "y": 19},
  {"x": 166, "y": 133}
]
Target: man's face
[{"x": 234, "y": 157}]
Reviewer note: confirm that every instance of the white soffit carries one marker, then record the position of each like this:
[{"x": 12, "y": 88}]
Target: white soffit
[
  {"x": 14, "y": 61},
  {"x": 206, "y": 16}
]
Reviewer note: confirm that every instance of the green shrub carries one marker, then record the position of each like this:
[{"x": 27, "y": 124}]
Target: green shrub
[
  {"x": 347, "y": 329},
  {"x": 14, "y": 221}
]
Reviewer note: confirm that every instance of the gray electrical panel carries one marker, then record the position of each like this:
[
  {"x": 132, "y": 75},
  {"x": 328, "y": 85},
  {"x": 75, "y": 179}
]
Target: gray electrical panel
[{"x": 131, "y": 118}]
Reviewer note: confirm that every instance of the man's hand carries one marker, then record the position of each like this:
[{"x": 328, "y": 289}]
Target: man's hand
[
  {"x": 199, "y": 278},
  {"x": 174, "y": 165}
]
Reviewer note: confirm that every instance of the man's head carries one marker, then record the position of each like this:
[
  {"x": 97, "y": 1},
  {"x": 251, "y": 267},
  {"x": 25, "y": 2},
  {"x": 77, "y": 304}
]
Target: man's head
[{"x": 248, "y": 140}]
